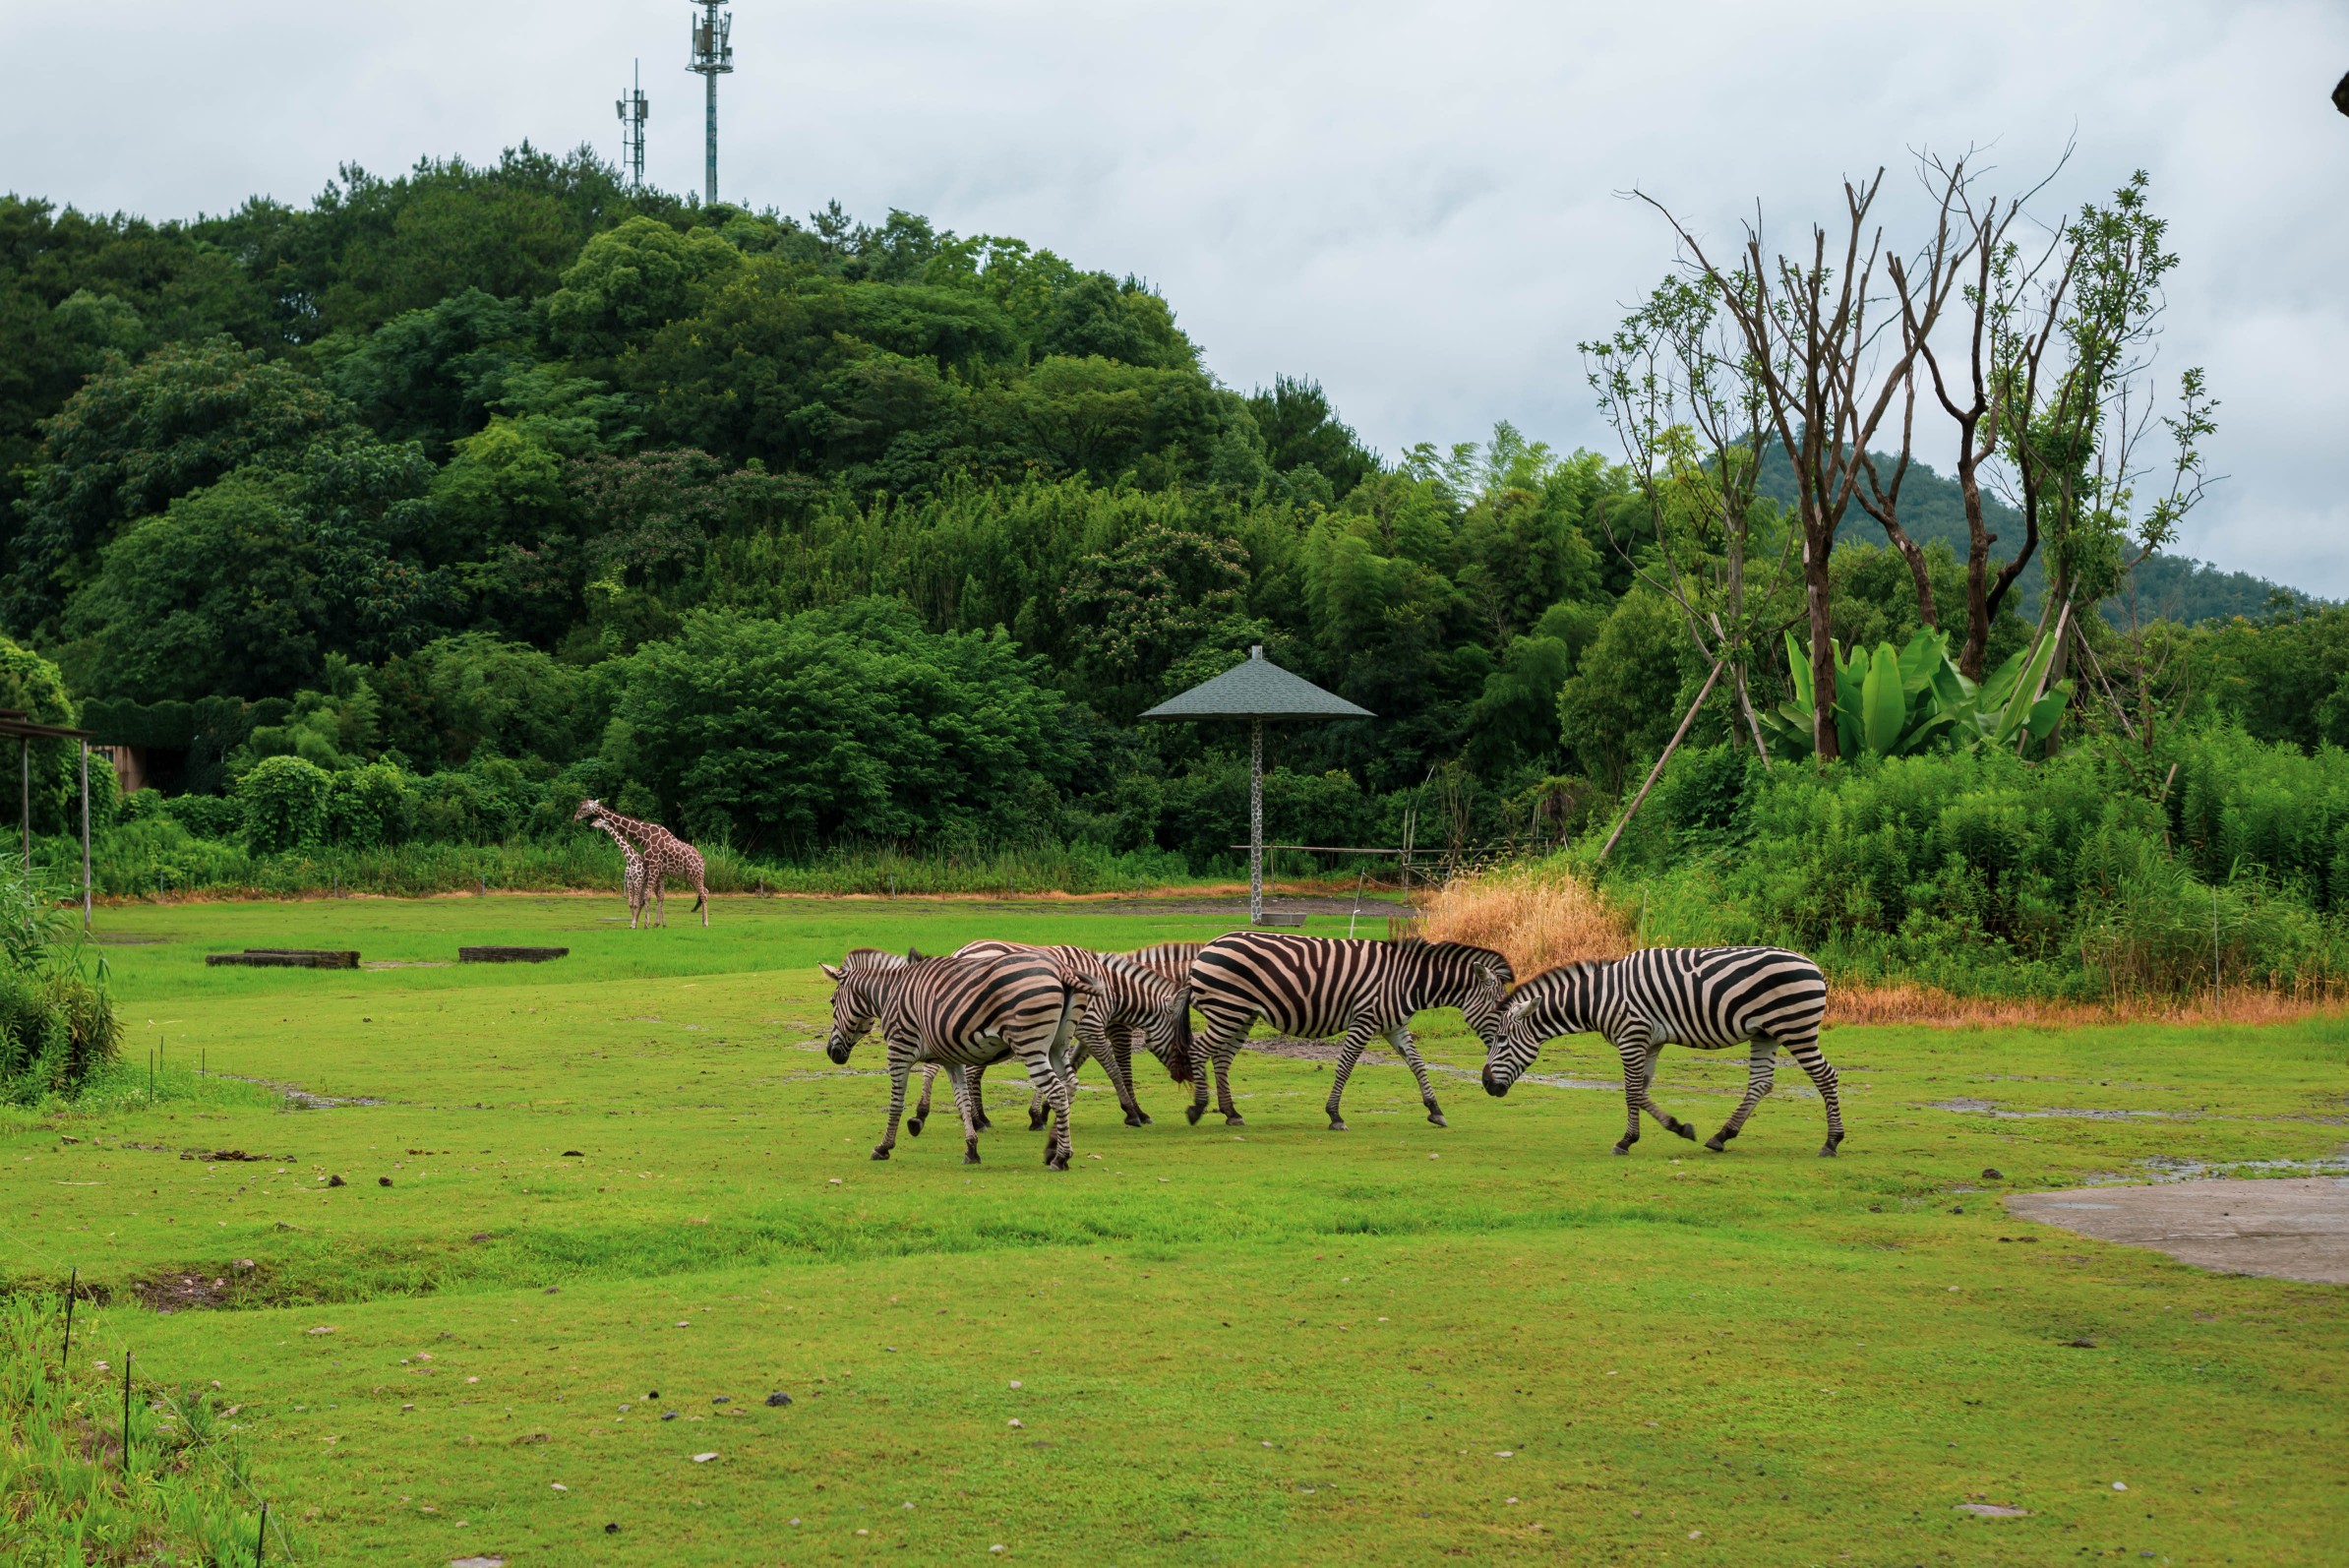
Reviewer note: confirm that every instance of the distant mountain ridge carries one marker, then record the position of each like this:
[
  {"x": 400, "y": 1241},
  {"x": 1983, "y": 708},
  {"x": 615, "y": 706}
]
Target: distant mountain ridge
[{"x": 2168, "y": 587}]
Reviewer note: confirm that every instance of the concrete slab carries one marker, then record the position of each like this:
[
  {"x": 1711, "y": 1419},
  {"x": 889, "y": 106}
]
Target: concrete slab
[{"x": 2293, "y": 1229}]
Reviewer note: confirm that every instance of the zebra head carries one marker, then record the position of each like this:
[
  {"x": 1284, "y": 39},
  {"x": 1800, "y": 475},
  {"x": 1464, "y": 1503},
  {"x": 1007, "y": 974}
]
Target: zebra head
[
  {"x": 1551, "y": 1004},
  {"x": 856, "y": 1007},
  {"x": 1484, "y": 996}
]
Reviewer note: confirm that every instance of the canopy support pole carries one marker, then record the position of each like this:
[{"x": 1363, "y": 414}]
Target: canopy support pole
[
  {"x": 1255, "y": 821},
  {"x": 86, "y": 837}
]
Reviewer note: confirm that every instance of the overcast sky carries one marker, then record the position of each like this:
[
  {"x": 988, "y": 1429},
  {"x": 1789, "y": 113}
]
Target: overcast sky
[{"x": 1417, "y": 204}]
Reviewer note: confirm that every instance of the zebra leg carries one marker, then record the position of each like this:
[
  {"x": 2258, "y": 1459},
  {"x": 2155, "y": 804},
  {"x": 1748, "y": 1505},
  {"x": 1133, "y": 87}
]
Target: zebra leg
[
  {"x": 930, "y": 1077},
  {"x": 1113, "y": 1062},
  {"x": 1672, "y": 1123},
  {"x": 1758, "y": 1075},
  {"x": 1222, "y": 1041},
  {"x": 976, "y": 1077},
  {"x": 1042, "y": 1069},
  {"x": 964, "y": 1100},
  {"x": 1121, "y": 1047},
  {"x": 899, "y": 1071},
  {"x": 1348, "y": 1055},
  {"x": 1399, "y": 1039},
  {"x": 1823, "y": 1074}
]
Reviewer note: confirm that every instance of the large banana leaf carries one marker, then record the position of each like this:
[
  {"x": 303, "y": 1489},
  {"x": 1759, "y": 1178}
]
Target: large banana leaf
[
  {"x": 1883, "y": 703},
  {"x": 1892, "y": 702}
]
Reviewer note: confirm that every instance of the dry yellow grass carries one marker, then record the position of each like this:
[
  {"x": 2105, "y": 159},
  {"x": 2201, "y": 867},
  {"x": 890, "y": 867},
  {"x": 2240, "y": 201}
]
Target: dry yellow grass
[
  {"x": 1537, "y": 916},
  {"x": 1543, "y": 916}
]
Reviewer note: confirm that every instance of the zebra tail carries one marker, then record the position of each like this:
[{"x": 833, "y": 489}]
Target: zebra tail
[{"x": 1178, "y": 1061}]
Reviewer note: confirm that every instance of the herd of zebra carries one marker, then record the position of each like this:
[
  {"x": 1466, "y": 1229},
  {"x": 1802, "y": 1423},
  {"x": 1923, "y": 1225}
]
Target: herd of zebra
[{"x": 1052, "y": 1008}]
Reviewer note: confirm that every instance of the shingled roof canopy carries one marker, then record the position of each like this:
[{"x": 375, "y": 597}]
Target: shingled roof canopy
[{"x": 1257, "y": 689}]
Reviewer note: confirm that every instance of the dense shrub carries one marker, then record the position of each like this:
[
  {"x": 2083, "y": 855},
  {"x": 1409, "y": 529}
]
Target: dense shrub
[
  {"x": 57, "y": 1027},
  {"x": 284, "y": 802},
  {"x": 851, "y": 722},
  {"x": 203, "y": 815},
  {"x": 369, "y": 807}
]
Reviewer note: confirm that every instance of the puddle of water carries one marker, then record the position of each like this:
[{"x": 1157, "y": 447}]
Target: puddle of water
[{"x": 1990, "y": 1108}]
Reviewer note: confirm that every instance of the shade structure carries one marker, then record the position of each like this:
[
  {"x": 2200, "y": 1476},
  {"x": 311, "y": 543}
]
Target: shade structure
[
  {"x": 1257, "y": 690},
  {"x": 12, "y": 721}
]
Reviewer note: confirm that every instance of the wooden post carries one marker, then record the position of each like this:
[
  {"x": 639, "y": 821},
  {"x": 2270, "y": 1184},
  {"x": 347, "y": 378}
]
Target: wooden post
[{"x": 1653, "y": 773}]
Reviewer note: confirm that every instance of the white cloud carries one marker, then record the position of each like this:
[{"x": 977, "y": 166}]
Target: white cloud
[{"x": 1415, "y": 202}]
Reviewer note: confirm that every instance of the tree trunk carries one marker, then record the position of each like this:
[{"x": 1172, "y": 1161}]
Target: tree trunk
[{"x": 1817, "y": 593}]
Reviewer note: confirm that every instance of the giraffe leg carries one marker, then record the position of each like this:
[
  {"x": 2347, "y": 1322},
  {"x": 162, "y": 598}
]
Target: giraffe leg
[
  {"x": 900, "y": 1068},
  {"x": 1758, "y": 1077},
  {"x": 701, "y": 901},
  {"x": 1357, "y": 1040},
  {"x": 1823, "y": 1075},
  {"x": 1399, "y": 1039}
]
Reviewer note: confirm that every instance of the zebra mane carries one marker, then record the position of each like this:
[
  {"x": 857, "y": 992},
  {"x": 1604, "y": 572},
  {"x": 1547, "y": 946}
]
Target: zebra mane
[{"x": 1479, "y": 956}]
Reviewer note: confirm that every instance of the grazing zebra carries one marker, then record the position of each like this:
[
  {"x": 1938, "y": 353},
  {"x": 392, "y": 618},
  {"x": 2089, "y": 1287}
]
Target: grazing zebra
[
  {"x": 964, "y": 1012},
  {"x": 1127, "y": 1003},
  {"x": 665, "y": 856},
  {"x": 631, "y": 876},
  {"x": 1708, "y": 998},
  {"x": 1171, "y": 959},
  {"x": 1318, "y": 987}
]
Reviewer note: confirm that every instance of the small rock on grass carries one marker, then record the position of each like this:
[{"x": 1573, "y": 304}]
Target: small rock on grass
[
  {"x": 336, "y": 1182},
  {"x": 777, "y": 1400},
  {"x": 383, "y": 1182},
  {"x": 704, "y": 1459}
]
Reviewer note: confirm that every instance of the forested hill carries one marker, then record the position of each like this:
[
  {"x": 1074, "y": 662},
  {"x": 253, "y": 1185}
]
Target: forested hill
[
  {"x": 484, "y": 488},
  {"x": 1933, "y": 508}
]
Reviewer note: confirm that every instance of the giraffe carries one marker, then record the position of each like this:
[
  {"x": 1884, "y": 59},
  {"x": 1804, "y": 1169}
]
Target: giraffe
[
  {"x": 632, "y": 880},
  {"x": 665, "y": 855}
]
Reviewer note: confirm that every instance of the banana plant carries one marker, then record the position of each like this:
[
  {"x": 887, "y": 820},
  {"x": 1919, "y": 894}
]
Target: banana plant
[{"x": 1893, "y": 702}]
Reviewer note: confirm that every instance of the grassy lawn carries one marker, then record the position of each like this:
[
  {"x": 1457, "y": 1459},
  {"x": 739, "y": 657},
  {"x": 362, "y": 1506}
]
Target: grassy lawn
[{"x": 1259, "y": 1345}]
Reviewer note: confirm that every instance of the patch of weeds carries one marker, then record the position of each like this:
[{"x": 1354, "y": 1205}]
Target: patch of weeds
[{"x": 83, "y": 1480}]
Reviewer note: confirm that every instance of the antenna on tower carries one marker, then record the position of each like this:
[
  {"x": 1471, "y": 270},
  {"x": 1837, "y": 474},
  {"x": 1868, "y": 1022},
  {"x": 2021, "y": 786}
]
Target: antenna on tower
[
  {"x": 713, "y": 57},
  {"x": 633, "y": 110}
]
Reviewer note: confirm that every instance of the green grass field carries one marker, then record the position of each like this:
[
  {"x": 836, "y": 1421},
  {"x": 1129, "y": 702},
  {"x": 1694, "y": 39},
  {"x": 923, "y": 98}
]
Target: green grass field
[{"x": 1265, "y": 1345}]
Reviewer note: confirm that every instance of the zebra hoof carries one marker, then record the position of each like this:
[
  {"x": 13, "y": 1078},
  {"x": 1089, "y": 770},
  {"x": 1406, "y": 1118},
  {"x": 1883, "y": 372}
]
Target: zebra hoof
[
  {"x": 982, "y": 1123},
  {"x": 881, "y": 1153},
  {"x": 1683, "y": 1128},
  {"x": 1037, "y": 1123},
  {"x": 913, "y": 1127},
  {"x": 1194, "y": 1113},
  {"x": 1623, "y": 1148},
  {"x": 1827, "y": 1151},
  {"x": 1233, "y": 1118},
  {"x": 1437, "y": 1118},
  {"x": 970, "y": 1156},
  {"x": 1136, "y": 1118},
  {"x": 1145, "y": 1122},
  {"x": 1337, "y": 1124},
  {"x": 1718, "y": 1142}
]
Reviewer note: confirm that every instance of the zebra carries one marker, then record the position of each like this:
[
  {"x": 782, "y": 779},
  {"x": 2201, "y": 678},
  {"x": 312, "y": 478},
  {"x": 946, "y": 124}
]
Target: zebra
[
  {"x": 963, "y": 1012},
  {"x": 1127, "y": 1003},
  {"x": 883, "y": 958},
  {"x": 1708, "y": 998},
  {"x": 1318, "y": 985}
]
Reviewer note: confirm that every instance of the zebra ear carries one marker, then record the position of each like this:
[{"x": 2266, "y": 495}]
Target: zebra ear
[
  {"x": 836, "y": 976},
  {"x": 912, "y": 955}
]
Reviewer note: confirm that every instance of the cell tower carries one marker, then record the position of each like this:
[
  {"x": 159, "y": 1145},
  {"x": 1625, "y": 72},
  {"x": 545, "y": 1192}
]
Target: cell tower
[
  {"x": 633, "y": 110},
  {"x": 713, "y": 57}
]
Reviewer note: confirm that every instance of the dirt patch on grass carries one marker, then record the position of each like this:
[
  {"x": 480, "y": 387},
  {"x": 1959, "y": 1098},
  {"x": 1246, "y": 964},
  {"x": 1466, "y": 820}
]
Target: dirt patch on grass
[
  {"x": 201, "y": 1287},
  {"x": 2292, "y": 1229},
  {"x": 302, "y": 1098}
]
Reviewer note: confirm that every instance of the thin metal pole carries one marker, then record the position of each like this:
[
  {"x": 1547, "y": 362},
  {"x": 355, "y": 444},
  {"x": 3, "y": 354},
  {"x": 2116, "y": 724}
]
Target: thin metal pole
[
  {"x": 711, "y": 174},
  {"x": 1255, "y": 821},
  {"x": 84, "y": 836},
  {"x": 66, "y": 1353}
]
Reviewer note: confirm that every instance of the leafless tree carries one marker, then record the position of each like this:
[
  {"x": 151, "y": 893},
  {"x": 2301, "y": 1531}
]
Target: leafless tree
[{"x": 1812, "y": 334}]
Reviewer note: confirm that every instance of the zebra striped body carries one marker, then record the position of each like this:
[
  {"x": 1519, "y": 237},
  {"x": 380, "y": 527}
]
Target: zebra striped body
[
  {"x": 1171, "y": 960},
  {"x": 1708, "y": 998},
  {"x": 1127, "y": 1003},
  {"x": 961, "y": 1012},
  {"x": 1318, "y": 987}
]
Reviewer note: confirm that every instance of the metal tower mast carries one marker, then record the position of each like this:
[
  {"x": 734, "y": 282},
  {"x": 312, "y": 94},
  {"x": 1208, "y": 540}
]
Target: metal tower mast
[
  {"x": 633, "y": 110},
  {"x": 713, "y": 57}
]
